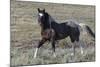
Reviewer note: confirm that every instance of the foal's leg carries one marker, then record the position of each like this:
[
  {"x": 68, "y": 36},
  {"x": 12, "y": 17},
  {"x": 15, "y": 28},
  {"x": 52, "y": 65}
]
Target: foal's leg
[{"x": 39, "y": 45}]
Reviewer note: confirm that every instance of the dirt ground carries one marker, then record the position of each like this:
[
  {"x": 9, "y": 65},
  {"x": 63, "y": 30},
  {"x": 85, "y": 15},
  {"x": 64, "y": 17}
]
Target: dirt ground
[{"x": 25, "y": 33}]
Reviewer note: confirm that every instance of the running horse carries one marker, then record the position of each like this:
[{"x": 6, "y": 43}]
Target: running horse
[{"x": 53, "y": 31}]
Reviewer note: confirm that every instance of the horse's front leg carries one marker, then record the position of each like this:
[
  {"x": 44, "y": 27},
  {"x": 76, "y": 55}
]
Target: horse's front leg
[{"x": 39, "y": 45}]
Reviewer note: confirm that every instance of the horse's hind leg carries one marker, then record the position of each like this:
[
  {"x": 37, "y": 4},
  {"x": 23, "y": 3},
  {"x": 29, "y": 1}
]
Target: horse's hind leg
[
  {"x": 80, "y": 44},
  {"x": 73, "y": 49},
  {"x": 39, "y": 45},
  {"x": 53, "y": 46},
  {"x": 81, "y": 47},
  {"x": 73, "y": 45}
]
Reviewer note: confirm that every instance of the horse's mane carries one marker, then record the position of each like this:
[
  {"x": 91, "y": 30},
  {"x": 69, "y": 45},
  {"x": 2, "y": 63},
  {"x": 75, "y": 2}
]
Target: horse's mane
[{"x": 50, "y": 18}]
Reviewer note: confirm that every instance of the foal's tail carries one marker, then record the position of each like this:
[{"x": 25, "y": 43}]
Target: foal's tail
[{"x": 87, "y": 29}]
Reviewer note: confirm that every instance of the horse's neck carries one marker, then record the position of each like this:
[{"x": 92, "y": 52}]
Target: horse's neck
[
  {"x": 44, "y": 27},
  {"x": 48, "y": 23},
  {"x": 51, "y": 19}
]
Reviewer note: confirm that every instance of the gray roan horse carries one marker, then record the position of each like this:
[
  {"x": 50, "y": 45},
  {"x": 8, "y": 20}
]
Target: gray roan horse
[{"x": 53, "y": 31}]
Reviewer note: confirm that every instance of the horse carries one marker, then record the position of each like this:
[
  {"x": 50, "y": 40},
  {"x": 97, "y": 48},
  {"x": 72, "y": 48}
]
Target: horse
[{"x": 52, "y": 31}]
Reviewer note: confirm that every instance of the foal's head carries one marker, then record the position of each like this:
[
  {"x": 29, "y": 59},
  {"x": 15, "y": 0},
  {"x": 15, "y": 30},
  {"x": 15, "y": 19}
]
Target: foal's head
[{"x": 42, "y": 16}]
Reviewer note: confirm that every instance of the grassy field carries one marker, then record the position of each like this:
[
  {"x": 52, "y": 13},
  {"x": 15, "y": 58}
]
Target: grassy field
[{"x": 25, "y": 33}]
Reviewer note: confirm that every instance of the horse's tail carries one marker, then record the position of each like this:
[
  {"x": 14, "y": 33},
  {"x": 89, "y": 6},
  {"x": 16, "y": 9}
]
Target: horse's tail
[{"x": 88, "y": 29}]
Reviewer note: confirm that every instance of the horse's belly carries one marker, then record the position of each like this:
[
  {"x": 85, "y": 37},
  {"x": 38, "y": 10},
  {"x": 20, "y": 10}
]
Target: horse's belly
[{"x": 61, "y": 36}]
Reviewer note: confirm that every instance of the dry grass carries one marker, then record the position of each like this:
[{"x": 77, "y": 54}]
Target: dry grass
[{"x": 25, "y": 33}]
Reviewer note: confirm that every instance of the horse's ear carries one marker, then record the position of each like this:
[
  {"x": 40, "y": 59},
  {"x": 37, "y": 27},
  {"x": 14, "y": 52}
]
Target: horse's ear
[
  {"x": 38, "y": 9},
  {"x": 43, "y": 10}
]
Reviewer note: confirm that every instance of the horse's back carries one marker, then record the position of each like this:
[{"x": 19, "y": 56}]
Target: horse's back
[
  {"x": 72, "y": 23},
  {"x": 74, "y": 30},
  {"x": 67, "y": 27},
  {"x": 64, "y": 28}
]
